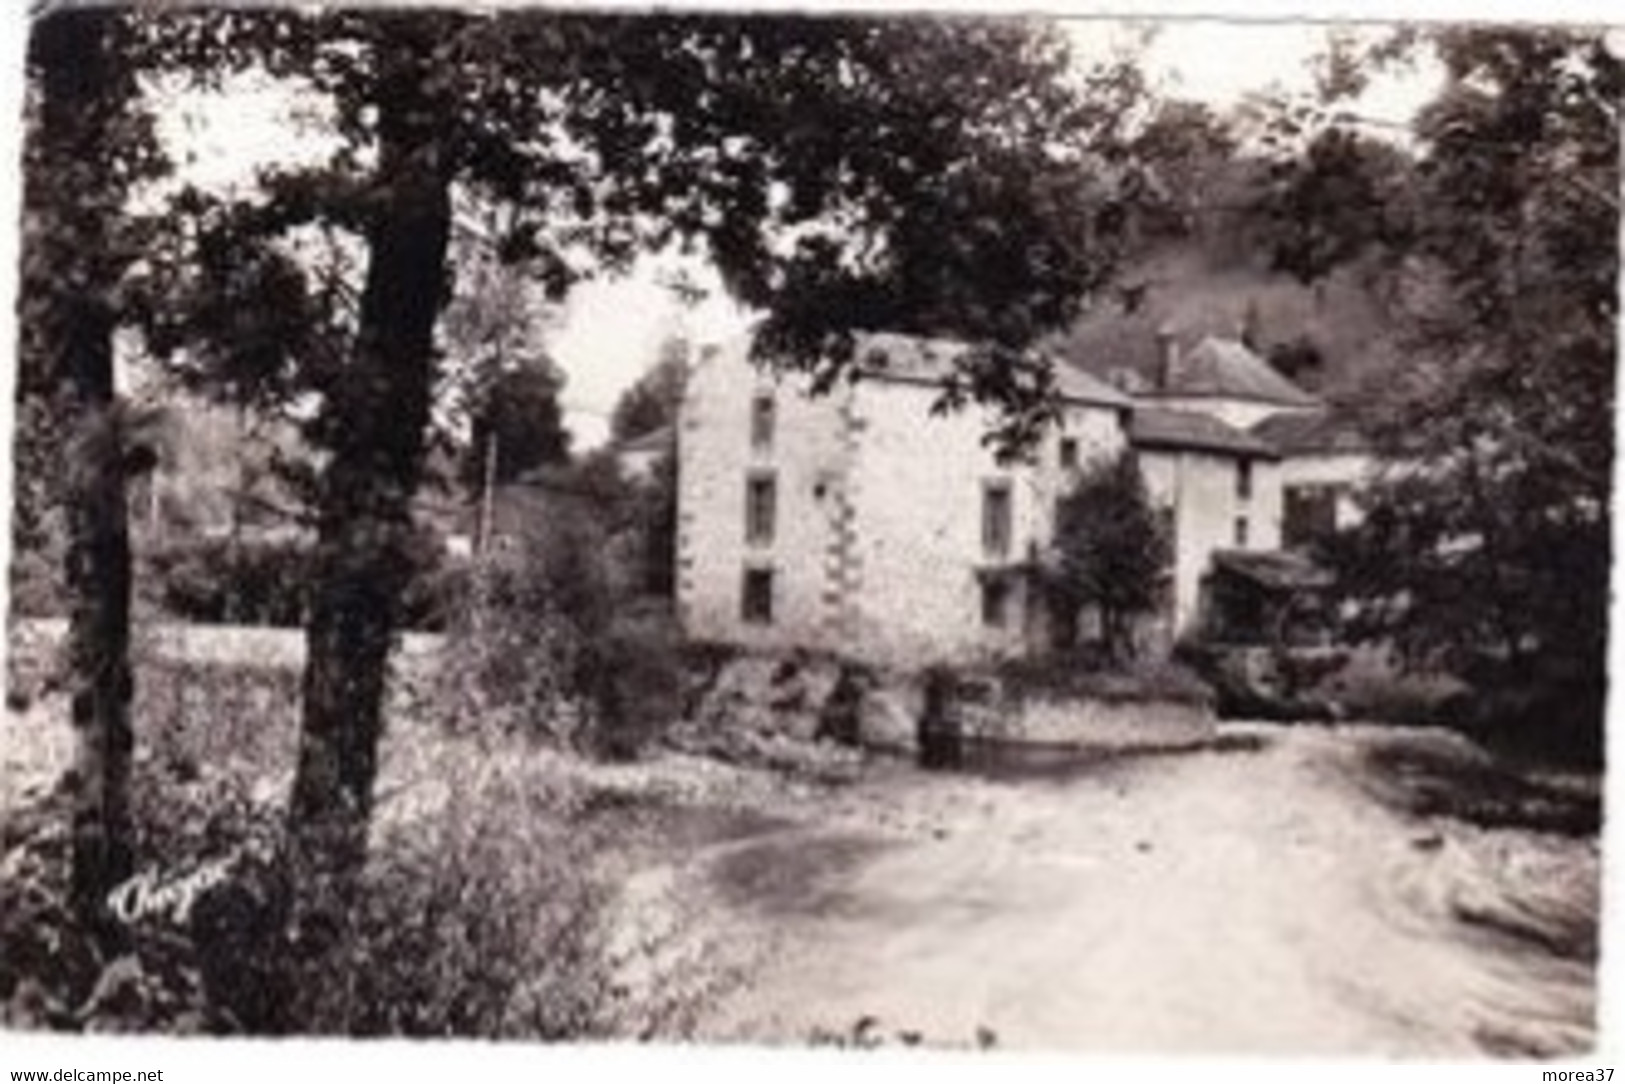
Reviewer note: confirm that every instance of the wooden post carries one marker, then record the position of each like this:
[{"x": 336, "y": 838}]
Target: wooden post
[{"x": 488, "y": 485}]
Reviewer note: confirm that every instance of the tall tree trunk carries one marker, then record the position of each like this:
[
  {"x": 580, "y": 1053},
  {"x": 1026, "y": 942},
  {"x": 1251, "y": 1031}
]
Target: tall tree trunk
[
  {"x": 376, "y": 417},
  {"x": 80, "y": 97}
]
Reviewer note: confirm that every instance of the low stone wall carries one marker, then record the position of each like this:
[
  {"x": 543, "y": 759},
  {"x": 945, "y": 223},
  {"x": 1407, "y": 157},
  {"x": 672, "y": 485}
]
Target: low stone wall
[
  {"x": 1103, "y": 725},
  {"x": 889, "y": 718},
  {"x": 786, "y": 698},
  {"x": 768, "y": 695}
]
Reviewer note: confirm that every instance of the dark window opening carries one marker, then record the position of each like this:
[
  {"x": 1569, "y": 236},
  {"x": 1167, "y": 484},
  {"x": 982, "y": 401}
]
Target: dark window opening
[
  {"x": 1244, "y": 479},
  {"x": 1241, "y": 532},
  {"x": 761, "y": 498},
  {"x": 995, "y": 603},
  {"x": 1168, "y": 528},
  {"x": 1069, "y": 452},
  {"x": 996, "y": 519},
  {"x": 761, "y": 421},
  {"x": 756, "y": 598},
  {"x": 1308, "y": 515}
]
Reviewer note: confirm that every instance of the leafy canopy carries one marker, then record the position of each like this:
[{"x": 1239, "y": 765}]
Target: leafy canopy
[
  {"x": 1109, "y": 550},
  {"x": 1487, "y": 544},
  {"x": 937, "y": 176}
]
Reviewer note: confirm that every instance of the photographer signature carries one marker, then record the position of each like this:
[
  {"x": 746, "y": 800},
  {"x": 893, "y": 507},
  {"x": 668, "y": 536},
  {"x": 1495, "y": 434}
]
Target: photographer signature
[{"x": 147, "y": 895}]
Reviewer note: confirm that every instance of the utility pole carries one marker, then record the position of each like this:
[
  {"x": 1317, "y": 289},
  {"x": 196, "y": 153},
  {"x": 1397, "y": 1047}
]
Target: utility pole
[{"x": 488, "y": 484}]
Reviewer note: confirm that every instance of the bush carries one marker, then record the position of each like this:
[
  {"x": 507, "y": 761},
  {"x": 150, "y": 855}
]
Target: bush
[
  {"x": 1400, "y": 698},
  {"x": 518, "y": 652},
  {"x": 231, "y": 581},
  {"x": 266, "y": 581},
  {"x": 480, "y": 913},
  {"x": 175, "y": 969},
  {"x": 479, "y": 916},
  {"x": 637, "y": 684},
  {"x": 547, "y": 646}
]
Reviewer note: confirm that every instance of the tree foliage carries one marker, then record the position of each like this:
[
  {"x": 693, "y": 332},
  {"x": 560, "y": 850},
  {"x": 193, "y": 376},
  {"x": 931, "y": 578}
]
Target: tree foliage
[
  {"x": 1487, "y": 544},
  {"x": 517, "y": 419},
  {"x": 1108, "y": 553},
  {"x": 1346, "y": 194},
  {"x": 651, "y": 402},
  {"x": 842, "y": 174}
]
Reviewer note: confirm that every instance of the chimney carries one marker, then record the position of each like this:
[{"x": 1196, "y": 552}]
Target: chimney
[
  {"x": 1250, "y": 329},
  {"x": 1167, "y": 358}
]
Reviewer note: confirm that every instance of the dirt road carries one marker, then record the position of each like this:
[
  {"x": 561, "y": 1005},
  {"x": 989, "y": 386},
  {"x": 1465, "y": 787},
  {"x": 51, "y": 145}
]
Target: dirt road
[{"x": 1257, "y": 901}]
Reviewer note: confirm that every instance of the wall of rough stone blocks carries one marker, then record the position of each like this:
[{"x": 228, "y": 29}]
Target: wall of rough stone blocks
[
  {"x": 716, "y": 459},
  {"x": 879, "y": 520},
  {"x": 918, "y": 489}
]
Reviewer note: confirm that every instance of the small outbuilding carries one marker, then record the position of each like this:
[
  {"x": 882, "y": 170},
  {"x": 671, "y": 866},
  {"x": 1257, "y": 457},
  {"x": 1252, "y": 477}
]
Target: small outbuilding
[{"x": 1257, "y": 598}]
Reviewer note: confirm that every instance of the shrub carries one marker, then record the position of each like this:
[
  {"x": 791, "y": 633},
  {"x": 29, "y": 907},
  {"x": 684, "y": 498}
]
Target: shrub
[
  {"x": 518, "y": 651},
  {"x": 547, "y": 646},
  {"x": 480, "y": 913},
  {"x": 437, "y": 592},
  {"x": 266, "y": 581},
  {"x": 231, "y": 581},
  {"x": 1401, "y": 698},
  {"x": 637, "y": 683},
  {"x": 169, "y": 969}
]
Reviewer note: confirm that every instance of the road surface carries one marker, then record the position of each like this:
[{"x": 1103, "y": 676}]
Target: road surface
[{"x": 1253, "y": 901}]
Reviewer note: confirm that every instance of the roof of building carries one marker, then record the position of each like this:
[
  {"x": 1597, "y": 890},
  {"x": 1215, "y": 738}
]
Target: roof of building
[
  {"x": 1152, "y": 427},
  {"x": 1225, "y": 368},
  {"x": 884, "y": 355},
  {"x": 1273, "y": 570},
  {"x": 655, "y": 440},
  {"x": 1319, "y": 433}
]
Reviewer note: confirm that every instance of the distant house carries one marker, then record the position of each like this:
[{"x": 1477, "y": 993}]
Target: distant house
[
  {"x": 1243, "y": 462},
  {"x": 1223, "y": 379},
  {"x": 638, "y": 456},
  {"x": 1217, "y": 488},
  {"x": 860, "y": 522},
  {"x": 1325, "y": 461}
]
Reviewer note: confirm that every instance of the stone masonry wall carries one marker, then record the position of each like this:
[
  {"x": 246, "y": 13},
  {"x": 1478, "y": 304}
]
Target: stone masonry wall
[{"x": 878, "y": 538}]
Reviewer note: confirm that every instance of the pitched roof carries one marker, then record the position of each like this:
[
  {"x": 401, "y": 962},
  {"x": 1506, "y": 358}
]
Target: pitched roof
[
  {"x": 1152, "y": 427},
  {"x": 1225, "y": 368},
  {"x": 1322, "y": 433},
  {"x": 888, "y": 356},
  {"x": 655, "y": 440},
  {"x": 1273, "y": 570}
]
